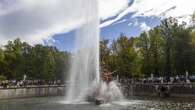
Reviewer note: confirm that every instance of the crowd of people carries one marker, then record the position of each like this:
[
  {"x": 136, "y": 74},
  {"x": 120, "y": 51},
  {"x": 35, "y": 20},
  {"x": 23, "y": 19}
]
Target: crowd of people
[
  {"x": 27, "y": 83},
  {"x": 159, "y": 80},
  {"x": 124, "y": 81}
]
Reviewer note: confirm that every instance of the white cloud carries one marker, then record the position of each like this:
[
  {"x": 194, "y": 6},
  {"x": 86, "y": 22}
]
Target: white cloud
[
  {"x": 110, "y": 8},
  {"x": 144, "y": 27},
  {"x": 163, "y": 8},
  {"x": 130, "y": 24},
  {"x": 136, "y": 23},
  {"x": 121, "y": 21},
  {"x": 35, "y": 20},
  {"x": 181, "y": 9},
  {"x": 109, "y": 22},
  {"x": 119, "y": 16}
]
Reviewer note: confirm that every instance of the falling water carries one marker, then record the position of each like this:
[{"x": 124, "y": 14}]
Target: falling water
[
  {"x": 84, "y": 79},
  {"x": 85, "y": 61}
]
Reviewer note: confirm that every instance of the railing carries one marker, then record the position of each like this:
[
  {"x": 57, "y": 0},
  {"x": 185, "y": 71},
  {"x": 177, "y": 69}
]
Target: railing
[{"x": 30, "y": 86}]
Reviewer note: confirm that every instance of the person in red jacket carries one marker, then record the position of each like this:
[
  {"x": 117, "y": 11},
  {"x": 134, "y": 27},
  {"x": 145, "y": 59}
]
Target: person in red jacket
[{"x": 107, "y": 76}]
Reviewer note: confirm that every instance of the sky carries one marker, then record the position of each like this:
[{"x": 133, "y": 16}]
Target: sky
[{"x": 53, "y": 22}]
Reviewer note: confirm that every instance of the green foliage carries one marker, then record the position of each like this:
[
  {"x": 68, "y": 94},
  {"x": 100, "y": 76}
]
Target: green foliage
[
  {"x": 39, "y": 62},
  {"x": 121, "y": 56},
  {"x": 166, "y": 50},
  {"x": 150, "y": 46},
  {"x": 193, "y": 20},
  {"x": 2, "y": 78}
]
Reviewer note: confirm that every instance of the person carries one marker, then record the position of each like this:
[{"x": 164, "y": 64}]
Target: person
[{"x": 107, "y": 76}]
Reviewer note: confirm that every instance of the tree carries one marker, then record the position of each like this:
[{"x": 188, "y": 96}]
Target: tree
[
  {"x": 13, "y": 59},
  {"x": 150, "y": 47},
  {"x": 144, "y": 45},
  {"x": 62, "y": 65},
  {"x": 105, "y": 54},
  {"x": 2, "y": 63},
  {"x": 193, "y": 20},
  {"x": 167, "y": 32},
  {"x": 39, "y": 62},
  {"x": 182, "y": 54},
  {"x": 156, "y": 50},
  {"x": 123, "y": 49}
]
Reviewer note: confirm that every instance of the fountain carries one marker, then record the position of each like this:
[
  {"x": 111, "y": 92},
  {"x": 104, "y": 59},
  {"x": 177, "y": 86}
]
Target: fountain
[
  {"x": 84, "y": 78},
  {"x": 85, "y": 61}
]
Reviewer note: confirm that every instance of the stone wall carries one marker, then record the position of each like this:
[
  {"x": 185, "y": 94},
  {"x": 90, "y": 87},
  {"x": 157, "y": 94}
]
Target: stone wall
[
  {"x": 154, "y": 90},
  {"x": 150, "y": 90},
  {"x": 32, "y": 92}
]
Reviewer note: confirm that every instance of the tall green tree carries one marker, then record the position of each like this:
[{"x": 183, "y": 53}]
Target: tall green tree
[
  {"x": 144, "y": 46},
  {"x": 105, "y": 54},
  {"x": 125, "y": 56},
  {"x": 39, "y": 62},
  {"x": 156, "y": 51},
  {"x": 168, "y": 27}
]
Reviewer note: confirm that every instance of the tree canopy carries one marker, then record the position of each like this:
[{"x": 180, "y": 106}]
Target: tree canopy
[
  {"x": 166, "y": 50},
  {"x": 37, "y": 62}
]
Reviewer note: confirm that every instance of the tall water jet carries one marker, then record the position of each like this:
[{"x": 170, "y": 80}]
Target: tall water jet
[{"x": 85, "y": 61}]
